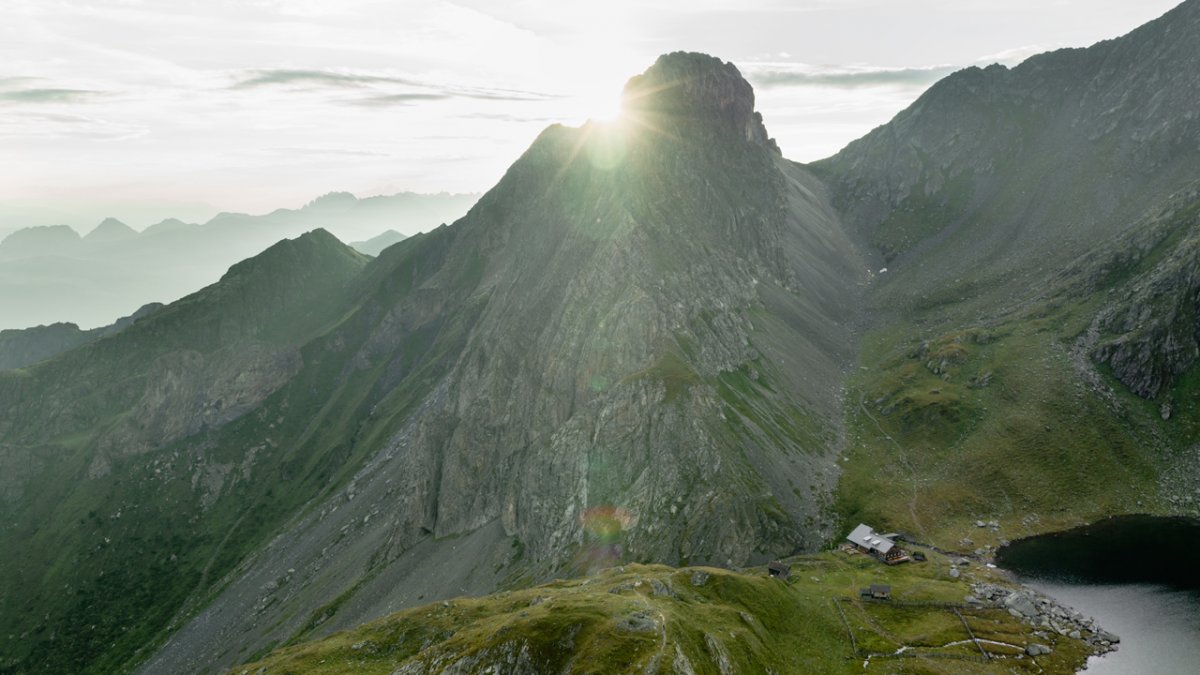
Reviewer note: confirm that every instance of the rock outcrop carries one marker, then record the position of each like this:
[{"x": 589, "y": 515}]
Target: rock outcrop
[{"x": 1149, "y": 334}]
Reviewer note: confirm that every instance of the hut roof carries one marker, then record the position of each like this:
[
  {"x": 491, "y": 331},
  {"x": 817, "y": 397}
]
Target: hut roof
[{"x": 868, "y": 538}]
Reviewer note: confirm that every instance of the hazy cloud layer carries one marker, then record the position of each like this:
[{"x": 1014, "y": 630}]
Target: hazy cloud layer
[
  {"x": 385, "y": 100},
  {"x": 318, "y": 78},
  {"x": 129, "y": 102},
  {"x": 767, "y": 76}
]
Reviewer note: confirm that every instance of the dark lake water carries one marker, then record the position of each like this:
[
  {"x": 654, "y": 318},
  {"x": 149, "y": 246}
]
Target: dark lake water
[{"x": 1139, "y": 576}]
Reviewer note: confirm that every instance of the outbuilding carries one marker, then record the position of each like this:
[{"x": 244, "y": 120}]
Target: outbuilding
[
  {"x": 878, "y": 592},
  {"x": 779, "y": 571}
]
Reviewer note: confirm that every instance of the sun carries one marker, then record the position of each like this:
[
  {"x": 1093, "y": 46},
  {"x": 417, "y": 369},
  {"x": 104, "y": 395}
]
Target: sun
[
  {"x": 596, "y": 96},
  {"x": 601, "y": 106}
]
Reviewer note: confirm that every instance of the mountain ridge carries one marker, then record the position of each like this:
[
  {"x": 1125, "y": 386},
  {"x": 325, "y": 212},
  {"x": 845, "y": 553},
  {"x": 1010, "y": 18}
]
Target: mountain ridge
[
  {"x": 991, "y": 162},
  {"x": 657, "y": 340},
  {"x": 52, "y": 275}
]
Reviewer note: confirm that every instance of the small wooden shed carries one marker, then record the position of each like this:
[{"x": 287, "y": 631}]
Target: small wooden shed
[
  {"x": 880, "y": 592},
  {"x": 779, "y": 570}
]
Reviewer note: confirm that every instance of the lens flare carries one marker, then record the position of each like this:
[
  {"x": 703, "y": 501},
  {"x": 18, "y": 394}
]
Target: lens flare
[{"x": 605, "y": 527}]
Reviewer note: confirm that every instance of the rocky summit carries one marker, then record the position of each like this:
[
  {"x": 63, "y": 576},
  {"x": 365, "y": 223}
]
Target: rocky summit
[{"x": 655, "y": 341}]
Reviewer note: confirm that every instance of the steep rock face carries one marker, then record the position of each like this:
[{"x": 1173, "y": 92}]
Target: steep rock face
[
  {"x": 1148, "y": 332},
  {"x": 636, "y": 329},
  {"x": 696, "y": 93},
  {"x": 1053, "y": 156},
  {"x": 609, "y": 312}
]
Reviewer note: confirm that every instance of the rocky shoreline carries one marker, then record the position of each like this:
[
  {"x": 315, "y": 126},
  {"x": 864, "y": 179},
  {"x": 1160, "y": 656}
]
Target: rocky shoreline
[{"x": 1045, "y": 614}]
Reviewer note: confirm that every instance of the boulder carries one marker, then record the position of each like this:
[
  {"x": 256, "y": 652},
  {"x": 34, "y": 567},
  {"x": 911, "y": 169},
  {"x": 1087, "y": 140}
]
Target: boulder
[
  {"x": 1037, "y": 649},
  {"x": 661, "y": 589},
  {"x": 1020, "y": 603},
  {"x": 638, "y": 622}
]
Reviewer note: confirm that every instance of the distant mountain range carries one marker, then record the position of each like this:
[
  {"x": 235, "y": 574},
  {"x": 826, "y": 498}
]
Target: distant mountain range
[
  {"x": 653, "y": 341},
  {"x": 51, "y": 274}
]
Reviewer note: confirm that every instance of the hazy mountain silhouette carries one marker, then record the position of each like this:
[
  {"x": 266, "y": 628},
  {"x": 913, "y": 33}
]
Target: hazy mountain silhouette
[
  {"x": 52, "y": 275},
  {"x": 375, "y": 245}
]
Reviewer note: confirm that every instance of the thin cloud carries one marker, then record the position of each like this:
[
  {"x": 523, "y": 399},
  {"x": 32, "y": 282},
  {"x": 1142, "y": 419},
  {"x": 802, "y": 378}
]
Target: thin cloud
[
  {"x": 26, "y": 124},
  {"x": 319, "y": 78},
  {"x": 325, "y": 152},
  {"x": 387, "y": 100},
  {"x": 503, "y": 95},
  {"x": 506, "y": 117},
  {"x": 847, "y": 78},
  {"x": 45, "y": 95},
  {"x": 325, "y": 79}
]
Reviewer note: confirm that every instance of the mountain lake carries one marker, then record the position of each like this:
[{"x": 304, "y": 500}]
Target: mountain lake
[{"x": 1136, "y": 575}]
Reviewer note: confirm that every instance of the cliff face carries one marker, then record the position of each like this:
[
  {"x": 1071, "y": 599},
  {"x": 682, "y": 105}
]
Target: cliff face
[
  {"x": 695, "y": 96},
  {"x": 1146, "y": 332},
  {"x": 641, "y": 328}
]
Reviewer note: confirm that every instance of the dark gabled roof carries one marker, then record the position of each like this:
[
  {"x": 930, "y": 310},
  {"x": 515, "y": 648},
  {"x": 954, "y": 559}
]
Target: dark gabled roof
[
  {"x": 880, "y": 588},
  {"x": 777, "y": 567}
]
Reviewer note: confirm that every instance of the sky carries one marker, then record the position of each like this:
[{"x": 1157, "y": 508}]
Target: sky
[{"x": 144, "y": 109}]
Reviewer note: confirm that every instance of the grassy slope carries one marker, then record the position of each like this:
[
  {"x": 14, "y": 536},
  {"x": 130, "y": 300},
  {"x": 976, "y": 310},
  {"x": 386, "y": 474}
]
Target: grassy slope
[
  {"x": 955, "y": 419},
  {"x": 1034, "y": 449},
  {"x": 755, "y": 623}
]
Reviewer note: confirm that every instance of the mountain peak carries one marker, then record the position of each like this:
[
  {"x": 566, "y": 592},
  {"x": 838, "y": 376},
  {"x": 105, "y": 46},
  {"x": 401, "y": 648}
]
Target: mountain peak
[
  {"x": 110, "y": 229},
  {"x": 692, "y": 89},
  {"x": 333, "y": 200}
]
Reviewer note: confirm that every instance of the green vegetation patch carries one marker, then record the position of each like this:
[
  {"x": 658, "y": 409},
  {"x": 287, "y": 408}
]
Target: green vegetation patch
[
  {"x": 655, "y": 619},
  {"x": 988, "y": 424}
]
